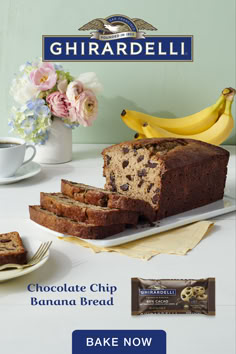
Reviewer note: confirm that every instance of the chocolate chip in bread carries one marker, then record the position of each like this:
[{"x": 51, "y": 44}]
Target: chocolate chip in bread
[
  {"x": 172, "y": 175},
  {"x": 100, "y": 197}
]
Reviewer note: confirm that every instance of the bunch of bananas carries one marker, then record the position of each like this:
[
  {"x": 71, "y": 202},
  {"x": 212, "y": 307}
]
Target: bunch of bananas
[{"x": 212, "y": 125}]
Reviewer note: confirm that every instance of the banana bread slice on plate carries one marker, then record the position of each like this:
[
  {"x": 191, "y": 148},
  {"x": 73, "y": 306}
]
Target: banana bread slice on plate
[
  {"x": 173, "y": 175},
  {"x": 101, "y": 197},
  {"x": 70, "y": 227},
  {"x": 63, "y": 205},
  {"x": 12, "y": 249}
]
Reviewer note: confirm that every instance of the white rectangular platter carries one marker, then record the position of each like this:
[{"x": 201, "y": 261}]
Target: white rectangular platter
[{"x": 220, "y": 207}]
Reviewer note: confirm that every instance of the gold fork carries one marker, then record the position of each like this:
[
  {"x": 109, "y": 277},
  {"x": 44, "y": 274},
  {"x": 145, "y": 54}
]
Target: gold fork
[{"x": 36, "y": 258}]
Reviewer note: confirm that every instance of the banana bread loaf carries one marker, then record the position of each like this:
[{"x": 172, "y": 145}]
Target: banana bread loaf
[
  {"x": 62, "y": 205},
  {"x": 12, "y": 249},
  {"x": 67, "y": 226},
  {"x": 100, "y": 197},
  {"x": 173, "y": 175}
]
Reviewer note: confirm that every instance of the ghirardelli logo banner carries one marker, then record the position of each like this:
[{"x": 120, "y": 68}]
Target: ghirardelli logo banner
[{"x": 117, "y": 38}]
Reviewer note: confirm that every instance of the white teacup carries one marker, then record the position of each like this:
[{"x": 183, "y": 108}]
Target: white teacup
[{"x": 12, "y": 154}]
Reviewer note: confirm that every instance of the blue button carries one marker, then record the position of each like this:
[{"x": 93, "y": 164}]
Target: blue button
[{"x": 119, "y": 341}]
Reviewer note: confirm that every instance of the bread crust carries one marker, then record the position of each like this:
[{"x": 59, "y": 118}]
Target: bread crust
[
  {"x": 12, "y": 249},
  {"x": 62, "y": 205},
  {"x": 178, "y": 156},
  {"x": 67, "y": 226},
  {"x": 100, "y": 197}
]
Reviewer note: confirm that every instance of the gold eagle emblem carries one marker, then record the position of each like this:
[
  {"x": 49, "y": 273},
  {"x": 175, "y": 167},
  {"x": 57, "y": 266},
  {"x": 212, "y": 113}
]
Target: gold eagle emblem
[{"x": 104, "y": 26}]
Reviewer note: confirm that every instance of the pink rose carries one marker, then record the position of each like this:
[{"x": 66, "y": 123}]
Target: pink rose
[
  {"x": 73, "y": 91},
  {"x": 45, "y": 77},
  {"x": 58, "y": 104},
  {"x": 85, "y": 110}
]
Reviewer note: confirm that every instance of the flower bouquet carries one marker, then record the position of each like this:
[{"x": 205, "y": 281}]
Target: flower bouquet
[{"x": 50, "y": 103}]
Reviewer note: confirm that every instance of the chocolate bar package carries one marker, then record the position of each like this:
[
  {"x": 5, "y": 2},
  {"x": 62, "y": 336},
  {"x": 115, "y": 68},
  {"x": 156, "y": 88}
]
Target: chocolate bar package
[{"x": 173, "y": 296}]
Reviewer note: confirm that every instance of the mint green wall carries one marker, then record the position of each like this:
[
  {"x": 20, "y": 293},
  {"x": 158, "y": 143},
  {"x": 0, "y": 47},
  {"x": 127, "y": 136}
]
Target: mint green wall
[{"x": 168, "y": 89}]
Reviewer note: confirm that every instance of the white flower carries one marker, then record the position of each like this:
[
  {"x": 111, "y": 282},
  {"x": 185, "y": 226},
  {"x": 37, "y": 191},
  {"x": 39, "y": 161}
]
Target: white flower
[
  {"x": 23, "y": 90},
  {"x": 62, "y": 86},
  {"x": 90, "y": 81},
  {"x": 73, "y": 91},
  {"x": 27, "y": 67}
]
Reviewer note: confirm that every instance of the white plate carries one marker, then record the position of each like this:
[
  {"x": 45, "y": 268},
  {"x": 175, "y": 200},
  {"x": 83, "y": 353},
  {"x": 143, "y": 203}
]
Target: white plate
[
  {"x": 27, "y": 171},
  {"x": 220, "y": 207},
  {"x": 31, "y": 246}
]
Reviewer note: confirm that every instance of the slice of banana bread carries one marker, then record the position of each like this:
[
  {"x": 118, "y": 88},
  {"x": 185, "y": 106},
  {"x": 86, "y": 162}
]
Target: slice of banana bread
[
  {"x": 101, "y": 197},
  {"x": 67, "y": 226},
  {"x": 12, "y": 249},
  {"x": 63, "y": 205},
  {"x": 173, "y": 175}
]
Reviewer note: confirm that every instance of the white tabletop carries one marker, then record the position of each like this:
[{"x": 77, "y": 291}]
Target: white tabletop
[{"x": 47, "y": 329}]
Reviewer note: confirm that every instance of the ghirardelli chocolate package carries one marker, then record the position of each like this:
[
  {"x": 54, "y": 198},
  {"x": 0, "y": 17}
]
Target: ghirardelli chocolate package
[{"x": 176, "y": 296}]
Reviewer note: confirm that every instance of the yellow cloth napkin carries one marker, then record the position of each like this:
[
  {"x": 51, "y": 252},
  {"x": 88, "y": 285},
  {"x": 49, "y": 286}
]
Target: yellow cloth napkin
[{"x": 176, "y": 241}]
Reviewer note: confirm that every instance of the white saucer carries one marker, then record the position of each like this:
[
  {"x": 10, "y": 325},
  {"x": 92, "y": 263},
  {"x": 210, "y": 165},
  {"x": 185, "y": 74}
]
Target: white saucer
[
  {"x": 31, "y": 246},
  {"x": 27, "y": 171}
]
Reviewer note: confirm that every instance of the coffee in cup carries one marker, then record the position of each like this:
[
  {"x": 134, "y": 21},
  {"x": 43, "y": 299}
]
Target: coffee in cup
[{"x": 12, "y": 154}]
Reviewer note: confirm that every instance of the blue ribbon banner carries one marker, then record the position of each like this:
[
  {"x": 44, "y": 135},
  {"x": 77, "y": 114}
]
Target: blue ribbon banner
[
  {"x": 136, "y": 48},
  {"x": 119, "y": 342}
]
